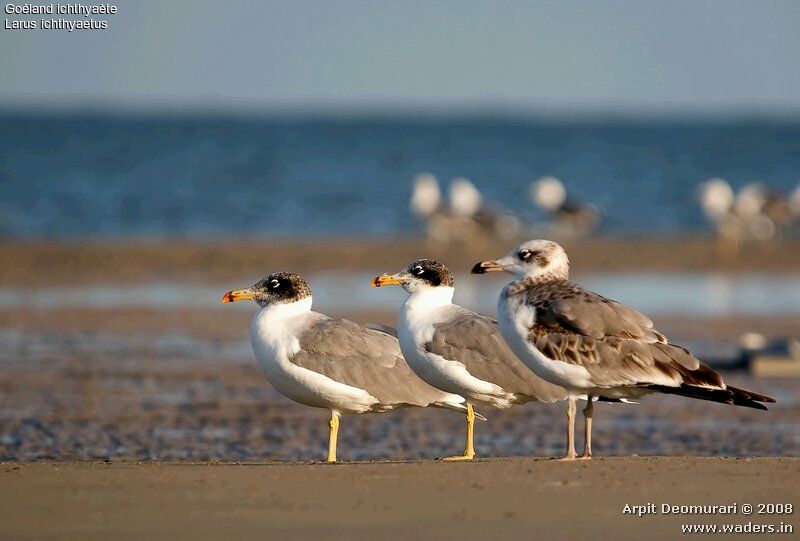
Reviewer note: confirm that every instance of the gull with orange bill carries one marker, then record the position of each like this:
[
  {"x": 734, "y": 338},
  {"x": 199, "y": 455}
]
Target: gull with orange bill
[
  {"x": 591, "y": 345},
  {"x": 457, "y": 350},
  {"x": 330, "y": 363}
]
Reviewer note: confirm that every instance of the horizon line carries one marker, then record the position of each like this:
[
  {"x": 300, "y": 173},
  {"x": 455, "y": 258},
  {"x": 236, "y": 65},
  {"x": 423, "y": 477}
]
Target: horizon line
[{"x": 372, "y": 106}]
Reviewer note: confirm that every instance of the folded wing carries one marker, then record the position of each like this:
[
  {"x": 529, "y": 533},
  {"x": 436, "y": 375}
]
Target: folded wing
[
  {"x": 366, "y": 358},
  {"x": 618, "y": 346},
  {"x": 474, "y": 340}
]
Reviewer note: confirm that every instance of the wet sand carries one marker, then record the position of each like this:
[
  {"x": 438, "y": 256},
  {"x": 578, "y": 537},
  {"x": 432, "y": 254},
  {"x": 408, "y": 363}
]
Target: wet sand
[
  {"x": 154, "y": 384},
  {"x": 167, "y": 383},
  {"x": 214, "y": 262},
  {"x": 493, "y": 499}
]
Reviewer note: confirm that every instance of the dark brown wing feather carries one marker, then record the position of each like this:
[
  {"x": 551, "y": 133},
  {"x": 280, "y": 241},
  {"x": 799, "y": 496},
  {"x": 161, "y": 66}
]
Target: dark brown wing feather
[
  {"x": 566, "y": 304},
  {"x": 615, "y": 343}
]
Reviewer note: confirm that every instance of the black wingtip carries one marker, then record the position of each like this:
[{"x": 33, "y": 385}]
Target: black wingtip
[
  {"x": 478, "y": 269},
  {"x": 731, "y": 395},
  {"x": 750, "y": 395}
]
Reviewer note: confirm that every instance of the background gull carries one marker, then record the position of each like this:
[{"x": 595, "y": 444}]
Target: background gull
[
  {"x": 570, "y": 217},
  {"x": 465, "y": 218}
]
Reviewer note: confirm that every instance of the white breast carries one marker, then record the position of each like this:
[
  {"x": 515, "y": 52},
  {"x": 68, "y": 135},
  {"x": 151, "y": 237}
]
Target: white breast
[
  {"x": 515, "y": 319},
  {"x": 275, "y": 341},
  {"x": 416, "y": 322}
]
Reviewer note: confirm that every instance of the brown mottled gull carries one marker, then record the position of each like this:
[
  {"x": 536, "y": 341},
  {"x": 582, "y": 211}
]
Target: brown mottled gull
[{"x": 593, "y": 345}]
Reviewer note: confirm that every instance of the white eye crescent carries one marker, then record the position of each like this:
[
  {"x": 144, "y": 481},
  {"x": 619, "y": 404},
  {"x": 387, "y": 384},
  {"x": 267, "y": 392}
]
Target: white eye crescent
[
  {"x": 418, "y": 269},
  {"x": 524, "y": 254},
  {"x": 274, "y": 283}
]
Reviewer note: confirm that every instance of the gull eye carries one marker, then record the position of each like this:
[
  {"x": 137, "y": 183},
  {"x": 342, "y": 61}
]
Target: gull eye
[
  {"x": 418, "y": 270},
  {"x": 274, "y": 283},
  {"x": 525, "y": 255}
]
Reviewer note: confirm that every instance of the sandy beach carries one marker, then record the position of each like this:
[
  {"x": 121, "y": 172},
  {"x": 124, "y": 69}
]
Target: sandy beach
[
  {"x": 150, "y": 421},
  {"x": 491, "y": 499}
]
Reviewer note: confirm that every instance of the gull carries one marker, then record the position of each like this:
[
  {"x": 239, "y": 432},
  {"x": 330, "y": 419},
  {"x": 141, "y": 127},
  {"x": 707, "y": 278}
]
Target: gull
[
  {"x": 425, "y": 196},
  {"x": 794, "y": 201},
  {"x": 716, "y": 197},
  {"x": 592, "y": 345},
  {"x": 474, "y": 218},
  {"x": 756, "y": 213},
  {"x": 458, "y": 351},
  {"x": 426, "y": 204},
  {"x": 760, "y": 211},
  {"x": 466, "y": 218},
  {"x": 572, "y": 217},
  {"x": 330, "y": 363}
]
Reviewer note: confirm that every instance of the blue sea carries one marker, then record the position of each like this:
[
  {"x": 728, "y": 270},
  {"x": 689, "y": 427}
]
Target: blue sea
[{"x": 144, "y": 177}]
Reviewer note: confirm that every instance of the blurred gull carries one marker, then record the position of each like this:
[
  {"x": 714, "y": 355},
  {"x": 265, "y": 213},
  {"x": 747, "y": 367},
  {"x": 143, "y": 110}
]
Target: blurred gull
[
  {"x": 717, "y": 198},
  {"x": 426, "y": 204},
  {"x": 755, "y": 213},
  {"x": 777, "y": 208},
  {"x": 485, "y": 221},
  {"x": 466, "y": 218},
  {"x": 751, "y": 206},
  {"x": 426, "y": 198},
  {"x": 794, "y": 206},
  {"x": 465, "y": 199},
  {"x": 570, "y": 217},
  {"x": 794, "y": 202}
]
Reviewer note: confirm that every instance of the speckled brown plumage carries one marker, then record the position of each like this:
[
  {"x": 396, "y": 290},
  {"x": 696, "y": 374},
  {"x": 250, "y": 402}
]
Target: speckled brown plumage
[{"x": 616, "y": 344}]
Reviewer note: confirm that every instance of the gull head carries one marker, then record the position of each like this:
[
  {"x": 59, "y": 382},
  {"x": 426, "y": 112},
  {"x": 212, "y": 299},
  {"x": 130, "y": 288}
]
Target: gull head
[
  {"x": 465, "y": 199},
  {"x": 425, "y": 196},
  {"x": 420, "y": 275},
  {"x": 548, "y": 193},
  {"x": 276, "y": 288},
  {"x": 716, "y": 197},
  {"x": 541, "y": 260}
]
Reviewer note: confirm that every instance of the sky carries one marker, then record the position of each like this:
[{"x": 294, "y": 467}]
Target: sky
[{"x": 629, "y": 55}]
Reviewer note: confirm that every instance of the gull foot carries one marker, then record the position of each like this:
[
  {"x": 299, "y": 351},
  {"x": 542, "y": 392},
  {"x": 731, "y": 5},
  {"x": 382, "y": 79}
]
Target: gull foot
[{"x": 458, "y": 458}]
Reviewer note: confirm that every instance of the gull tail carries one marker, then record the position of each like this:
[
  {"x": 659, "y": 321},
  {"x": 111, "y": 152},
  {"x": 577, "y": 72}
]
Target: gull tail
[{"x": 730, "y": 395}]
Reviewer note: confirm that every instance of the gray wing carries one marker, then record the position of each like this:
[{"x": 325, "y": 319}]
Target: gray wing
[
  {"x": 365, "y": 358},
  {"x": 615, "y": 343},
  {"x": 474, "y": 340}
]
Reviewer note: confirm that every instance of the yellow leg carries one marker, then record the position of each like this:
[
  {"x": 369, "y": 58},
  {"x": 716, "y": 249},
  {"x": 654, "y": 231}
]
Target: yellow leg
[
  {"x": 334, "y": 436},
  {"x": 571, "y": 455},
  {"x": 469, "y": 449},
  {"x": 587, "y": 446}
]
